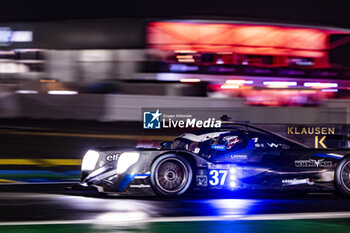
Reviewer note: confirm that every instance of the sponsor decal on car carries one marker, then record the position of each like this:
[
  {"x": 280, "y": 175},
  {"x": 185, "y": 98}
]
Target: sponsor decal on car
[
  {"x": 240, "y": 157},
  {"x": 310, "y": 130},
  {"x": 202, "y": 180},
  {"x": 112, "y": 157},
  {"x": 313, "y": 163},
  {"x": 140, "y": 186},
  {"x": 219, "y": 147},
  {"x": 320, "y": 133},
  {"x": 278, "y": 145},
  {"x": 259, "y": 145},
  {"x": 296, "y": 181}
]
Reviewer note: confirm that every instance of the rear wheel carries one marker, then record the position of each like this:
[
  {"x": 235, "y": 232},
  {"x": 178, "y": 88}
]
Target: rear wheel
[
  {"x": 171, "y": 175},
  {"x": 342, "y": 177}
]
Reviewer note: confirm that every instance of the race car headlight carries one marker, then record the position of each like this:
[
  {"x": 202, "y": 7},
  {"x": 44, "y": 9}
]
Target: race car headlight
[
  {"x": 125, "y": 160},
  {"x": 90, "y": 160}
]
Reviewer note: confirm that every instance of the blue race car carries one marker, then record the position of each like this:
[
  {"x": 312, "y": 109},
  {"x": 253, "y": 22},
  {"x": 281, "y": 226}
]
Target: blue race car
[{"x": 236, "y": 156}]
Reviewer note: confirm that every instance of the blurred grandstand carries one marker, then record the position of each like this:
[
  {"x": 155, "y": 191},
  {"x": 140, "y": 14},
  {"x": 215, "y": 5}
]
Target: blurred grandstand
[{"x": 265, "y": 63}]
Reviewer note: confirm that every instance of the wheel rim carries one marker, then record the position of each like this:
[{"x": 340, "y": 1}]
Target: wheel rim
[
  {"x": 171, "y": 175},
  {"x": 345, "y": 175}
]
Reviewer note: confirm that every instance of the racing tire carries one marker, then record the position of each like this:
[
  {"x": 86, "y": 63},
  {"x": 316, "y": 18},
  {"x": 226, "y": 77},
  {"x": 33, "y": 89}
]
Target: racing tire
[
  {"x": 342, "y": 177},
  {"x": 171, "y": 175}
]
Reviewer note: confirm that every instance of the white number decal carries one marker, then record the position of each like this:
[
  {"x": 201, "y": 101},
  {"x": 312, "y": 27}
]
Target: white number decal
[
  {"x": 216, "y": 176},
  {"x": 223, "y": 177}
]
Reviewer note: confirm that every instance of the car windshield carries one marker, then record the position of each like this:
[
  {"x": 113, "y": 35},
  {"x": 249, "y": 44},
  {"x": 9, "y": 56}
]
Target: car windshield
[{"x": 179, "y": 144}]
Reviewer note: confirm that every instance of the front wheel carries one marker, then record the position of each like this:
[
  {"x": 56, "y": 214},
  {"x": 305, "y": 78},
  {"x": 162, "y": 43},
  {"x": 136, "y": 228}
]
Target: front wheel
[
  {"x": 171, "y": 175},
  {"x": 342, "y": 177}
]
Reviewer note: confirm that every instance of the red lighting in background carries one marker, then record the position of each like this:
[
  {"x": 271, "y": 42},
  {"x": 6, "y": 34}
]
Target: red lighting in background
[
  {"x": 286, "y": 97},
  {"x": 238, "y": 38},
  {"x": 272, "y": 96}
]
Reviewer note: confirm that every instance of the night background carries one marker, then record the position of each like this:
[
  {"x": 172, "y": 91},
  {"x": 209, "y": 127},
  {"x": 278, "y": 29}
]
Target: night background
[
  {"x": 102, "y": 105},
  {"x": 331, "y": 13}
]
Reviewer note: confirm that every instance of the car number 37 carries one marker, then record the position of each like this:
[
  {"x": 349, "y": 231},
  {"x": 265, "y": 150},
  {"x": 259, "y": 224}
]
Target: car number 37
[{"x": 217, "y": 177}]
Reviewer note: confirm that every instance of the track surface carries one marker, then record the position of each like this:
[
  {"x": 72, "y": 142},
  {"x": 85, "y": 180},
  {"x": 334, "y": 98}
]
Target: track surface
[{"x": 52, "y": 203}]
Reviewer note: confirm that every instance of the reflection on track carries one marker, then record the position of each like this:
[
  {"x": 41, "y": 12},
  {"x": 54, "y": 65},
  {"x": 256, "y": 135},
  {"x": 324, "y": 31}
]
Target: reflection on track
[{"x": 39, "y": 206}]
